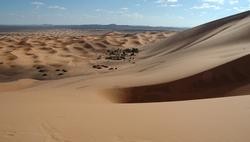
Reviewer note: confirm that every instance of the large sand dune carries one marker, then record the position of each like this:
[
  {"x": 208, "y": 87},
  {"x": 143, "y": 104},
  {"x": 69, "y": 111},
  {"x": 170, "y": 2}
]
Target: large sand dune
[{"x": 188, "y": 86}]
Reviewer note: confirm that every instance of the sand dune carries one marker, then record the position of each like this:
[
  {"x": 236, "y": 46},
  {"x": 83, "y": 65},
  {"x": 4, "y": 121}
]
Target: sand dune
[
  {"x": 216, "y": 82},
  {"x": 63, "y": 48},
  {"x": 215, "y": 44},
  {"x": 122, "y": 87}
]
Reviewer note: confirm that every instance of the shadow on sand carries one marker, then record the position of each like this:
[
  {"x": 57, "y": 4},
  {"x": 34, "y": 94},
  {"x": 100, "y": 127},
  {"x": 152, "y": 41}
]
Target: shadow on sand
[{"x": 214, "y": 83}]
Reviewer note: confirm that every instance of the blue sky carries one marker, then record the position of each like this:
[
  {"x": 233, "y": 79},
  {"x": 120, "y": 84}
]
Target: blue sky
[{"x": 178, "y": 13}]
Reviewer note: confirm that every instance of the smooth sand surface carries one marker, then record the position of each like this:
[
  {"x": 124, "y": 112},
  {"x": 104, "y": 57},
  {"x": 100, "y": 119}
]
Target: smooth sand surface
[{"x": 190, "y": 86}]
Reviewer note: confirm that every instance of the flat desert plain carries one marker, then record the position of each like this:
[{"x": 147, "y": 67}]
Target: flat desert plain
[{"x": 74, "y": 86}]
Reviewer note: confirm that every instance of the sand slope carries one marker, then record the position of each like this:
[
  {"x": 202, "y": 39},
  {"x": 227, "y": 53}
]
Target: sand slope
[{"x": 208, "y": 61}]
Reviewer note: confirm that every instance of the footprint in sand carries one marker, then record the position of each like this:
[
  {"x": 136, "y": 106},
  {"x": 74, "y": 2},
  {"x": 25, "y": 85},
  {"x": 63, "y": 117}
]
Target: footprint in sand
[
  {"x": 126, "y": 139},
  {"x": 51, "y": 134},
  {"x": 11, "y": 133},
  {"x": 8, "y": 133}
]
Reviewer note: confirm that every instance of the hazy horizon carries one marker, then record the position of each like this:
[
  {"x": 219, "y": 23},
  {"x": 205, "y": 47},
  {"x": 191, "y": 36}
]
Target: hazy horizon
[
  {"x": 90, "y": 25},
  {"x": 165, "y": 13}
]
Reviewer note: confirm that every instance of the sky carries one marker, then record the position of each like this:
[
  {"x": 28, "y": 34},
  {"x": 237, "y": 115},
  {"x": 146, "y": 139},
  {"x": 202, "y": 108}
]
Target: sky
[{"x": 174, "y": 13}]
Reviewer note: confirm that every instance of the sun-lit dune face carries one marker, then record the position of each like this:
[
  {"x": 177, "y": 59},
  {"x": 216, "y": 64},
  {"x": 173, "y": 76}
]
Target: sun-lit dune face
[{"x": 50, "y": 54}]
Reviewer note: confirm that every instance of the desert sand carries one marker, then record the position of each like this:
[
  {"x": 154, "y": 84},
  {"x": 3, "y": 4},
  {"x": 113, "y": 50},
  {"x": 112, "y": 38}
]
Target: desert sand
[{"x": 68, "y": 86}]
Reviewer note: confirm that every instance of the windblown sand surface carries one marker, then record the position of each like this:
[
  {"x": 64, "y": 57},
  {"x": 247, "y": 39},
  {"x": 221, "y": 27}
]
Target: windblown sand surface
[
  {"x": 46, "y": 54},
  {"x": 191, "y": 86}
]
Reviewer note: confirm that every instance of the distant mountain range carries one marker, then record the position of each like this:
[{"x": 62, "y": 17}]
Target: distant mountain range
[{"x": 13, "y": 28}]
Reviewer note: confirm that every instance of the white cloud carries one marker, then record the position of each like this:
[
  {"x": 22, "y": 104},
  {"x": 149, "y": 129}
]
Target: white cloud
[
  {"x": 170, "y": 3},
  {"x": 214, "y": 1},
  {"x": 166, "y": 1},
  {"x": 232, "y": 2},
  {"x": 206, "y": 6},
  {"x": 37, "y": 4},
  {"x": 175, "y": 5},
  {"x": 124, "y": 8},
  {"x": 57, "y": 7},
  {"x": 241, "y": 9},
  {"x": 104, "y": 11}
]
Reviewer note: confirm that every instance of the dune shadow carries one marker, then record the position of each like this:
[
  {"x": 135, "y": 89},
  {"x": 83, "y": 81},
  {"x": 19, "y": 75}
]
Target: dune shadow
[{"x": 213, "y": 83}]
